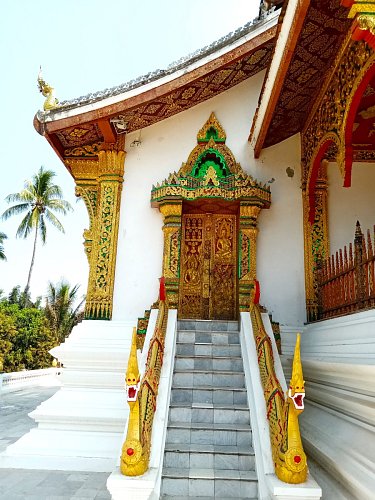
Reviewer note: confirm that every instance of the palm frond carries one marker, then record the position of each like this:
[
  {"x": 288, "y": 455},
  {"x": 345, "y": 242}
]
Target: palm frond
[
  {"x": 54, "y": 191},
  {"x": 54, "y": 220},
  {"x": 61, "y": 206},
  {"x": 15, "y": 210},
  {"x": 42, "y": 229},
  {"x": 25, "y": 226},
  {"x": 3, "y": 237}
]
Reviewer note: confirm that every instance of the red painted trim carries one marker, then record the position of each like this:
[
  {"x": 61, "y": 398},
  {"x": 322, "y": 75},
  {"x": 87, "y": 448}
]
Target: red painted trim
[
  {"x": 162, "y": 291},
  {"x": 257, "y": 292},
  {"x": 350, "y": 122},
  {"x": 347, "y": 3}
]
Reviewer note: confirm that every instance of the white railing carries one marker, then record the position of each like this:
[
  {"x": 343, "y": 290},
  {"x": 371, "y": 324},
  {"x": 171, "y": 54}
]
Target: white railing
[{"x": 17, "y": 380}]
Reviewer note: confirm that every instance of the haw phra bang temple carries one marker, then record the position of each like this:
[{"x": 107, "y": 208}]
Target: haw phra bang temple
[{"x": 231, "y": 261}]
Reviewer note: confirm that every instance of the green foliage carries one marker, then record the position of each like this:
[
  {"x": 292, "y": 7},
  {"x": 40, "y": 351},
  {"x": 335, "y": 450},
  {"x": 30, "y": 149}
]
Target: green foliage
[
  {"x": 25, "y": 338},
  {"x": 28, "y": 330},
  {"x": 60, "y": 310}
]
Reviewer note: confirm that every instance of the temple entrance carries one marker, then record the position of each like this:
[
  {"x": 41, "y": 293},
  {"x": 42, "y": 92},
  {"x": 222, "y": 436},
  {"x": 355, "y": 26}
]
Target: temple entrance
[
  {"x": 208, "y": 278},
  {"x": 210, "y": 209}
]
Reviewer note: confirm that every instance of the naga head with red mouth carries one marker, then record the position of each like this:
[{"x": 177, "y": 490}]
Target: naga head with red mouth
[
  {"x": 132, "y": 374},
  {"x": 132, "y": 388},
  {"x": 297, "y": 397},
  {"x": 297, "y": 385}
]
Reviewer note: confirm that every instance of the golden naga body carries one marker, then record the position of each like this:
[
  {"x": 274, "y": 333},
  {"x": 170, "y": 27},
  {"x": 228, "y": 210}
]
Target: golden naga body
[
  {"x": 282, "y": 412},
  {"x": 132, "y": 454},
  {"x": 51, "y": 102},
  {"x": 141, "y": 396}
]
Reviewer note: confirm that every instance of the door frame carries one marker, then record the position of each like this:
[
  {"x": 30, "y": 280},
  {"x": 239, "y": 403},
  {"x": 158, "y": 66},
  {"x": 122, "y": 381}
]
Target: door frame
[{"x": 211, "y": 174}]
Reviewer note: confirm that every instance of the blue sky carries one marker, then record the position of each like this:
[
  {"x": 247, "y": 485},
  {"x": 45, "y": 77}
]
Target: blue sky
[{"x": 83, "y": 46}]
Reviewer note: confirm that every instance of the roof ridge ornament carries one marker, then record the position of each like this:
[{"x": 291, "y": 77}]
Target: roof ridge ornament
[{"x": 51, "y": 102}]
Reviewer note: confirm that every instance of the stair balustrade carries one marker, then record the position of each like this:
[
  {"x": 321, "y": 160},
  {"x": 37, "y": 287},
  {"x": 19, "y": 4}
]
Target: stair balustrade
[
  {"x": 288, "y": 455},
  {"x": 141, "y": 395}
]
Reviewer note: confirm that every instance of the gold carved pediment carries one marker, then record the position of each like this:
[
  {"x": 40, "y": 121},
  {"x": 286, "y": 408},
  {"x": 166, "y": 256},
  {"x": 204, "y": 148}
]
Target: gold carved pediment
[{"x": 211, "y": 171}]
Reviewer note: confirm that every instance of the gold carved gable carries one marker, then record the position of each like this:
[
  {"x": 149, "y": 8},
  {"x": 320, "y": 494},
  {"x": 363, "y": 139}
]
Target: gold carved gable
[{"x": 211, "y": 171}]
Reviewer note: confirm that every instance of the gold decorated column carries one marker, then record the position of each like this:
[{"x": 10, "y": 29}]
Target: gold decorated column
[
  {"x": 316, "y": 242},
  {"x": 104, "y": 234},
  {"x": 248, "y": 232},
  {"x": 172, "y": 212}
]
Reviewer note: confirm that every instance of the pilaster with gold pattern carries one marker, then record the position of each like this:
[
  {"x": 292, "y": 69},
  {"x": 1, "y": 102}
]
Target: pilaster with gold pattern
[
  {"x": 104, "y": 247},
  {"x": 99, "y": 183},
  {"x": 316, "y": 241},
  {"x": 85, "y": 173},
  {"x": 247, "y": 252},
  {"x": 171, "y": 212}
]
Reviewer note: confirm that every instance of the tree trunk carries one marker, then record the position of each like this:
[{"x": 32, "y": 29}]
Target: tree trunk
[{"x": 32, "y": 261}]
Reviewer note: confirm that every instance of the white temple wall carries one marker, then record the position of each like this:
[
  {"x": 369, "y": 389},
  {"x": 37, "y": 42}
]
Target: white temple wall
[
  {"x": 347, "y": 205},
  {"x": 164, "y": 146},
  {"x": 280, "y": 240}
]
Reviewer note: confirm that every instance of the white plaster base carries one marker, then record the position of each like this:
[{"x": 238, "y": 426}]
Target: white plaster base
[
  {"x": 337, "y": 426},
  {"x": 80, "y": 427},
  {"x": 309, "y": 490},
  {"x": 288, "y": 336},
  {"x": 148, "y": 486}
]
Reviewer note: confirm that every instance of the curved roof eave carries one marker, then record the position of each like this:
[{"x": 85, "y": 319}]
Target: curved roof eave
[{"x": 144, "y": 89}]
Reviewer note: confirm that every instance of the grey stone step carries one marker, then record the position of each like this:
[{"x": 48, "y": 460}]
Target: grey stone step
[
  {"x": 209, "y": 413},
  {"x": 208, "y": 433},
  {"x": 199, "y": 378},
  {"x": 207, "y": 325},
  {"x": 179, "y": 497},
  {"x": 209, "y": 456},
  {"x": 208, "y": 449},
  {"x": 208, "y": 337},
  {"x": 208, "y": 363},
  {"x": 207, "y": 349},
  {"x": 208, "y": 394},
  {"x": 212, "y": 483}
]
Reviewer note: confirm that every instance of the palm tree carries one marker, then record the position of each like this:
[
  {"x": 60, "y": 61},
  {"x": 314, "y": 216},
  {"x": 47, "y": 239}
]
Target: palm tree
[
  {"x": 60, "y": 310},
  {"x": 38, "y": 199},
  {"x": 3, "y": 237}
]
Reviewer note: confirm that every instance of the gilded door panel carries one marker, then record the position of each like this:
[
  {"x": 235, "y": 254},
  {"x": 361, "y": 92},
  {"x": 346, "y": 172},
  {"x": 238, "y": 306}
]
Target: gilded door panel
[
  {"x": 208, "y": 267},
  {"x": 191, "y": 284},
  {"x": 223, "y": 274}
]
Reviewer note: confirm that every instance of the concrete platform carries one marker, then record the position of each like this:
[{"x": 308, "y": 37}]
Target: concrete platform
[{"x": 21, "y": 484}]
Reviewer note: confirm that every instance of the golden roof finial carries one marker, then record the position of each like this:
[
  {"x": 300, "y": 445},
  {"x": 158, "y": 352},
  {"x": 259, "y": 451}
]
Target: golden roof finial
[{"x": 51, "y": 102}]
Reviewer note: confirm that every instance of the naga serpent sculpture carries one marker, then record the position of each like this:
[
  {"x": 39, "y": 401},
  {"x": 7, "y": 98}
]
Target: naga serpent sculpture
[
  {"x": 282, "y": 411},
  {"x": 141, "y": 395}
]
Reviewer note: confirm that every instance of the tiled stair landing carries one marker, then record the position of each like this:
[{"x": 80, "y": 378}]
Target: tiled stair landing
[{"x": 208, "y": 450}]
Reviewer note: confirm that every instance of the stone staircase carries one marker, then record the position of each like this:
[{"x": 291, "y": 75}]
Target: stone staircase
[{"x": 208, "y": 450}]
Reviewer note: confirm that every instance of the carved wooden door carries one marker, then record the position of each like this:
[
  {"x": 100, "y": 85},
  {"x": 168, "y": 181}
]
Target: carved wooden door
[{"x": 208, "y": 280}]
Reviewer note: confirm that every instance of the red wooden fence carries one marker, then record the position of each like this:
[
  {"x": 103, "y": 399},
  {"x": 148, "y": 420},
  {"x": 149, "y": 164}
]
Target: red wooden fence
[{"x": 346, "y": 280}]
